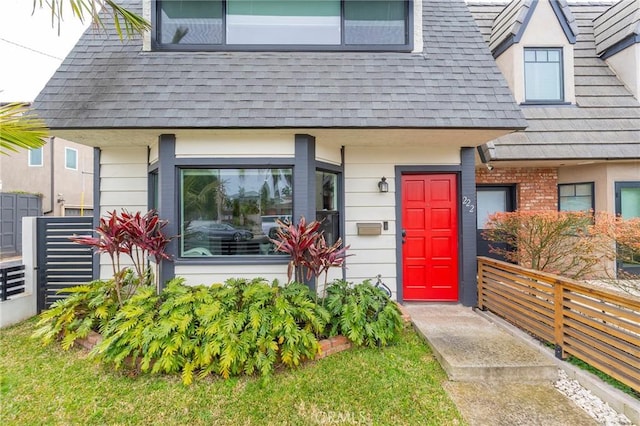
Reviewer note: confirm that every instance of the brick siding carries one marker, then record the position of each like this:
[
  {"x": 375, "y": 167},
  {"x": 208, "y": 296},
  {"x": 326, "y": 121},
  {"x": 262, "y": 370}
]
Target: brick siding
[{"x": 536, "y": 188}]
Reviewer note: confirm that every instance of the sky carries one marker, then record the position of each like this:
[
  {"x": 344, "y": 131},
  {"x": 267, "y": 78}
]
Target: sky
[{"x": 30, "y": 49}]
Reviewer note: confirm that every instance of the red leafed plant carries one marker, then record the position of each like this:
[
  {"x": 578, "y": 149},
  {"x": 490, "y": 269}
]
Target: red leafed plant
[
  {"x": 306, "y": 245},
  {"x": 138, "y": 236}
]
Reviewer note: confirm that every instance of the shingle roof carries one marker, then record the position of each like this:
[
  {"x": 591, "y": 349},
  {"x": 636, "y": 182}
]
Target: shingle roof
[
  {"x": 620, "y": 24},
  {"x": 604, "y": 123},
  {"x": 454, "y": 82}
]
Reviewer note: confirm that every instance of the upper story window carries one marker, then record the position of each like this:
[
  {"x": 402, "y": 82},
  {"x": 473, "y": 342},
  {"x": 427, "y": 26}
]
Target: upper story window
[
  {"x": 35, "y": 157},
  {"x": 71, "y": 158},
  {"x": 381, "y": 25},
  {"x": 543, "y": 75}
]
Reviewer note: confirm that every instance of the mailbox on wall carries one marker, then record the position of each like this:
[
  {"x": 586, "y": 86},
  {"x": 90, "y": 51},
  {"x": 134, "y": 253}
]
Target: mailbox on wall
[{"x": 369, "y": 228}]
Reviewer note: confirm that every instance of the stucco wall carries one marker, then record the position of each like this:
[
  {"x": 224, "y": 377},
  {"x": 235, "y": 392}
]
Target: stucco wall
[
  {"x": 626, "y": 65},
  {"x": 604, "y": 176},
  {"x": 75, "y": 186}
]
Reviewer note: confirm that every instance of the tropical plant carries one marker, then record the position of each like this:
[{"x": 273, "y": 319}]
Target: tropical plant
[
  {"x": 242, "y": 327},
  {"x": 20, "y": 129},
  {"x": 309, "y": 252},
  {"x": 363, "y": 313},
  {"x": 125, "y": 22},
  {"x": 137, "y": 236},
  {"x": 553, "y": 241},
  {"x": 86, "y": 308}
]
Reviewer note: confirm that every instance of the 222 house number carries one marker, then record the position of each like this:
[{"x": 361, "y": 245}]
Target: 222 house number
[{"x": 466, "y": 202}]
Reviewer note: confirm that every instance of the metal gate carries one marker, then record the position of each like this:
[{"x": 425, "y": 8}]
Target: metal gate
[{"x": 61, "y": 262}]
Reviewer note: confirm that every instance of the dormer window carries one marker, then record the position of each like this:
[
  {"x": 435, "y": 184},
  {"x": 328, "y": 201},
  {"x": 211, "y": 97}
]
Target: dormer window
[
  {"x": 381, "y": 25},
  {"x": 543, "y": 75}
]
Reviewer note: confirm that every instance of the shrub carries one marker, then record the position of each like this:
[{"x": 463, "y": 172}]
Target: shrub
[
  {"x": 363, "y": 313},
  {"x": 242, "y": 327},
  {"x": 88, "y": 307},
  {"x": 137, "y": 236},
  {"x": 551, "y": 241},
  {"x": 306, "y": 245}
]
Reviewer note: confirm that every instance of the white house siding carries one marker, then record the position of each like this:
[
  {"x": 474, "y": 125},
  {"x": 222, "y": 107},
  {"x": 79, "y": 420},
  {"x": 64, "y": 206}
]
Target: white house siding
[
  {"x": 123, "y": 185},
  {"x": 234, "y": 145},
  {"x": 212, "y": 274},
  {"x": 364, "y": 166}
]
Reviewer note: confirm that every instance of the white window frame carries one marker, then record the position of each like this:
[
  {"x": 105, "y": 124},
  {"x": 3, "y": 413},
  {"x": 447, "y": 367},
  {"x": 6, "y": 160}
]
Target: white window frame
[
  {"x": 66, "y": 158},
  {"x": 30, "y": 157}
]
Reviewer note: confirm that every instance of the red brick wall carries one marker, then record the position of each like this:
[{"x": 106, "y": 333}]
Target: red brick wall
[{"x": 536, "y": 188}]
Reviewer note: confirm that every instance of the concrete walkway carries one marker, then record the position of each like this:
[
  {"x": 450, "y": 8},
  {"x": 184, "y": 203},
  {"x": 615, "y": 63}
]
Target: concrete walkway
[{"x": 495, "y": 378}]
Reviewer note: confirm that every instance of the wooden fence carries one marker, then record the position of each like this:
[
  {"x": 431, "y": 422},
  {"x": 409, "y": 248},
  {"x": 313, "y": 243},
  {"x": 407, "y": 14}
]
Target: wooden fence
[{"x": 600, "y": 327}]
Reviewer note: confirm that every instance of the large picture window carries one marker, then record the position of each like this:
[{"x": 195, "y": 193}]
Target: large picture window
[
  {"x": 263, "y": 24},
  {"x": 233, "y": 212},
  {"x": 543, "y": 75}
]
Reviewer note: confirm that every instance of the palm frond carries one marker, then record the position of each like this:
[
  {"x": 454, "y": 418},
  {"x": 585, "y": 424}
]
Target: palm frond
[
  {"x": 20, "y": 129},
  {"x": 125, "y": 22}
]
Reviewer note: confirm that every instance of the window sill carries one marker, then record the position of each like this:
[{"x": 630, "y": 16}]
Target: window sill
[
  {"x": 233, "y": 260},
  {"x": 545, "y": 103}
]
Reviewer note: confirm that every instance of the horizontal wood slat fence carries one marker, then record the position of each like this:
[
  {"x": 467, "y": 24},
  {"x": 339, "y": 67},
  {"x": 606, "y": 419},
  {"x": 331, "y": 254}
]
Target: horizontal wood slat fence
[{"x": 600, "y": 327}]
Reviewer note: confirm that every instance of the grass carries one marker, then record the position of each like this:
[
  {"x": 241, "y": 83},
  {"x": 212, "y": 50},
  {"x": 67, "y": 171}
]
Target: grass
[
  {"x": 396, "y": 385},
  {"x": 603, "y": 376}
]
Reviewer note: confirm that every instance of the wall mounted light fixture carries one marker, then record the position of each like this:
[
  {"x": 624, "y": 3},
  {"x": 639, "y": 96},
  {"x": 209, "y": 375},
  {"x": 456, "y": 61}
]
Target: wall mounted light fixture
[{"x": 383, "y": 186}]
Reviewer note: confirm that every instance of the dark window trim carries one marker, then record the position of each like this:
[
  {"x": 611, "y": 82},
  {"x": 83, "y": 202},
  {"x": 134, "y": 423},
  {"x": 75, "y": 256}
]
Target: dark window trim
[
  {"x": 618, "y": 191},
  {"x": 593, "y": 192},
  {"x": 229, "y": 163},
  {"x": 561, "y": 100},
  {"x": 157, "y": 46}
]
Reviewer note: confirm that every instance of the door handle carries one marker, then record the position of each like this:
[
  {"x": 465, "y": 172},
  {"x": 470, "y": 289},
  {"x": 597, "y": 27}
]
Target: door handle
[{"x": 404, "y": 234}]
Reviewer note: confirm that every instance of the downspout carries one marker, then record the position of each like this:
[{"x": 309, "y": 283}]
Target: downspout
[
  {"x": 51, "y": 186},
  {"x": 343, "y": 219}
]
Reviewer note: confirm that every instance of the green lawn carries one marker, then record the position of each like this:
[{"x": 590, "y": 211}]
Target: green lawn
[{"x": 396, "y": 385}]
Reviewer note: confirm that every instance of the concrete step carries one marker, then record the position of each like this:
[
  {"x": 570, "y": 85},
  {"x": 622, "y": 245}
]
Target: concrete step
[
  {"x": 472, "y": 349},
  {"x": 511, "y": 404}
]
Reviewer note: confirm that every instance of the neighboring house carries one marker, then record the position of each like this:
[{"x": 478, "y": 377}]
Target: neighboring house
[
  {"x": 367, "y": 113},
  {"x": 574, "y": 69},
  {"x": 54, "y": 180},
  {"x": 61, "y": 172}
]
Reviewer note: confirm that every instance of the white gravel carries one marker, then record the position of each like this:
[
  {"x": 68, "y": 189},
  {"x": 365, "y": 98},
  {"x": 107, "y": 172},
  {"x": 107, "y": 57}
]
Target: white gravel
[{"x": 590, "y": 403}]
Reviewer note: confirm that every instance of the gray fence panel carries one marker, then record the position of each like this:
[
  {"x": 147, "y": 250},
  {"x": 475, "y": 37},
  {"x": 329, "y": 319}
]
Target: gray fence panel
[
  {"x": 61, "y": 262},
  {"x": 13, "y": 207}
]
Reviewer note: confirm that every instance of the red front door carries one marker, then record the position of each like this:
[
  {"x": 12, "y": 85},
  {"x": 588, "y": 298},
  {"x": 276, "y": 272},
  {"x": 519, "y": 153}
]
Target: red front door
[{"x": 430, "y": 240}]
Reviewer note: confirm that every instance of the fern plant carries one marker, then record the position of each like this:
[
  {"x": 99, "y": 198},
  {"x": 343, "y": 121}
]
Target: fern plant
[
  {"x": 88, "y": 307},
  {"x": 363, "y": 313},
  {"x": 242, "y": 327}
]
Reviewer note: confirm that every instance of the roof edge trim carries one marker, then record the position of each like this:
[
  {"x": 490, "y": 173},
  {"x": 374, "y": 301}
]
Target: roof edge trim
[
  {"x": 564, "y": 20},
  {"x": 628, "y": 41},
  {"x": 515, "y": 38}
]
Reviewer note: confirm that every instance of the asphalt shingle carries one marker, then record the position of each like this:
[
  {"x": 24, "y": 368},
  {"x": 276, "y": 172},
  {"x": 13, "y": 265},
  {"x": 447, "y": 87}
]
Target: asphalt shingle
[{"x": 106, "y": 83}]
